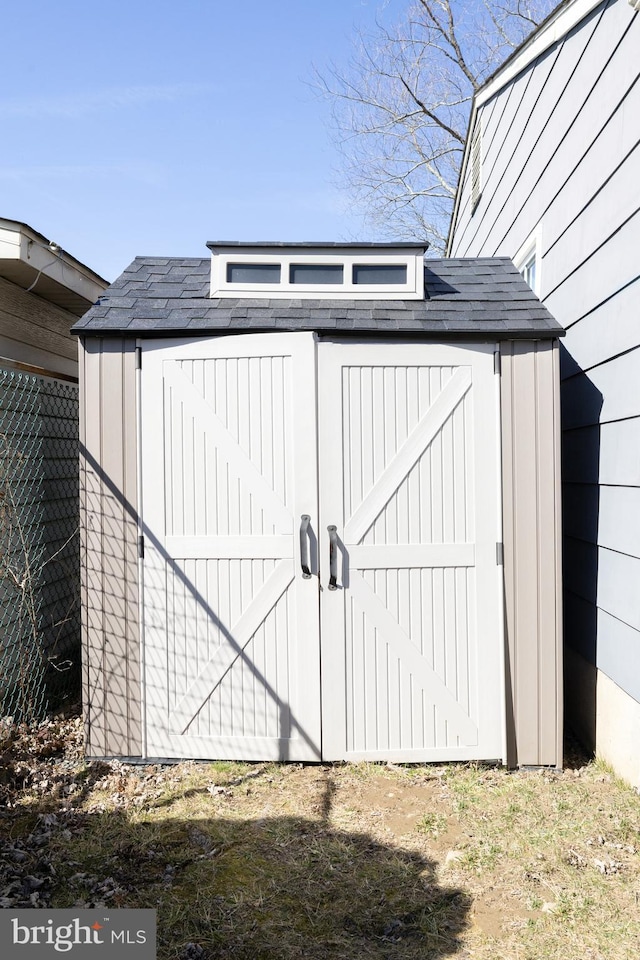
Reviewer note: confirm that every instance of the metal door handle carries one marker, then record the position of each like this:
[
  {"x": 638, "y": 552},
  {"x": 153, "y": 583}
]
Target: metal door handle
[
  {"x": 304, "y": 545},
  {"x": 333, "y": 557}
]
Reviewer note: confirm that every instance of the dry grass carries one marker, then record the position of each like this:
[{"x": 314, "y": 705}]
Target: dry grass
[{"x": 364, "y": 861}]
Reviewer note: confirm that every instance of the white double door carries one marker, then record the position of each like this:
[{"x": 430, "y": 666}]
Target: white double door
[{"x": 320, "y": 522}]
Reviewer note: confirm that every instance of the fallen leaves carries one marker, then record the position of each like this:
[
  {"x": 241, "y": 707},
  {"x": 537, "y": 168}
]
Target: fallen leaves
[
  {"x": 542, "y": 853},
  {"x": 46, "y": 782}
]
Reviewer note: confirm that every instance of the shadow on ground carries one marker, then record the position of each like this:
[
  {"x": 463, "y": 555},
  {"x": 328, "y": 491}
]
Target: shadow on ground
[
  {"x": 576, "y": 754},
  {"x": 276, "y": 887}
]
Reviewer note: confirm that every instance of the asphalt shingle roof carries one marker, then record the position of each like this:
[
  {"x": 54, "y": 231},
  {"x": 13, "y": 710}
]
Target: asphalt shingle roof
[{"x": 477, "y": 296}]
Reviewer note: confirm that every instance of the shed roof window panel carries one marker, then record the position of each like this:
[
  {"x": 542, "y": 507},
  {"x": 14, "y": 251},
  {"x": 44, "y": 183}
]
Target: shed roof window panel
[
  {"x": 317, "y": 270},
  {"x": 312, "y": 273},
  {"x": 379, "y": 273},
  {"x": 253, "y": 273}
]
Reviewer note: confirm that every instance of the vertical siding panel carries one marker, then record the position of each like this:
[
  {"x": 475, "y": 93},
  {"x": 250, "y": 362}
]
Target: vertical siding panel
[
  {"x": 266, "y": 395},
  {"x": 109, "y": 559},
  {"x": 282, "y": 439},
  {"x": 239, "y": 492},
  {"x": 508, "y": 507},
  {"x": 371, "y": 640},
  {"x": 236, "y": 402},
  {"x": 256, "y": 414},
  {"x": 130, "y": 546},
  {"x": 91, "y": 533},
  {"x": 271, "y": 662},
  {"x": 112, "y": 544},
  {"x": 82, "y": 510},
  {"x": 402, "y": 503},
  {"x": 527, "y": 624},
  {"x": 548, "y": 678},
  {"x": 557, "y": 548},
  {"x": 377, "y": 376},
  {"x": 530, "y": 412},
  {"x": 359, "y": 632},
  {"x": 451, "y": 643},
  {"x": 382, "y": 693},
  {"x": 435, "y": 456},
  {"x": 393, "y": 698},
  {"x": 439, "y": 643},
  {"x": 462, "y": 642},
  {"x": 223, "y": 612},
  {"x": 352, "y": 436}
]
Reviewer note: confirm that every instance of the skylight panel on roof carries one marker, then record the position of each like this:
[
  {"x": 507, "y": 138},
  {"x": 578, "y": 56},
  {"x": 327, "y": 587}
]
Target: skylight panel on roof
[
  {"x": 253, "y": 273},
  {"x": 341, "y": 271}
]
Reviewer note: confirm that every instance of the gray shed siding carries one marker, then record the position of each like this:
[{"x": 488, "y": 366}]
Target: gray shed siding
[
  {"x": 109, "y": 548},
  {"x": 561, "y": 155},
  {"x": 532, "y": 551},
  {"x": 530, "y": 418}
]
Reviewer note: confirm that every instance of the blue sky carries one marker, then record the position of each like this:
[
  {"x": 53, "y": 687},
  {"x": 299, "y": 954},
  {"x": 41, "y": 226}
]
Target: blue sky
[{"x": 149, "y": 127}]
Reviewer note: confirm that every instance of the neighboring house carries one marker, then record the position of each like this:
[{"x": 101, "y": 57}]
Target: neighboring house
[
  {"x": 551, "y": 178},
  {"x": 321, "y": 502},
  {"x": 43, "y": 291}
]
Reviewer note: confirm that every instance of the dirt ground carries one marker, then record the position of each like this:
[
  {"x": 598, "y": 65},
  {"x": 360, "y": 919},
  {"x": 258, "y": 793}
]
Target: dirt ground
[{"x": 291, "y": 861}]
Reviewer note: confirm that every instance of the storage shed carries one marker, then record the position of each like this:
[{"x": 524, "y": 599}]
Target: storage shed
[{"x": 320, "y": 508}]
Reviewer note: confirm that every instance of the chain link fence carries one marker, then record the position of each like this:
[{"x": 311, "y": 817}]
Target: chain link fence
[{"x": 39, "y": 545}]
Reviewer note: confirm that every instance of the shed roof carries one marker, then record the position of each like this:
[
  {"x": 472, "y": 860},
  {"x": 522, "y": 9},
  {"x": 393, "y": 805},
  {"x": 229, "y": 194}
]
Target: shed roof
[{"x": 157, "y": 296}]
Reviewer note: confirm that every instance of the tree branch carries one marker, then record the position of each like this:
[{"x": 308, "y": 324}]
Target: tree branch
[{"x": 401, "y": 107}]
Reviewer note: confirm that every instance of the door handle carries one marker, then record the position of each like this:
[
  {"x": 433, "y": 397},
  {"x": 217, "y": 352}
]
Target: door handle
[
  {"x": 333, "y": 557},
  {"x": 304, "y": 545}
]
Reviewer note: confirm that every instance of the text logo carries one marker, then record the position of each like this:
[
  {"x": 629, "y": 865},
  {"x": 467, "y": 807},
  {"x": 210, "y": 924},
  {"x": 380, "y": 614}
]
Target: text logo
[{"x": 103, "y": 933}]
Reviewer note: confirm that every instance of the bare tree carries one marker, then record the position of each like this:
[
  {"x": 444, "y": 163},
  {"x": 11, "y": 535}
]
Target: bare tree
[{"x": 401, "y": 106}]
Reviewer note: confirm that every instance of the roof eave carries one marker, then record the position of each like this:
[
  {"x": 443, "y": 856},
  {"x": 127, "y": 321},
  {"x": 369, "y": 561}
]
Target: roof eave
[
  {"x": 32, "y": 262},
  {"x": 557, "y": 25},
  {"x": 498, "y": 334}
]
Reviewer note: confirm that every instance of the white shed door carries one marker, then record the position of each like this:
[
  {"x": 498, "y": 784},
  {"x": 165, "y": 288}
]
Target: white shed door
[
  {"x": 238, "y": 643},
  {"x": 412, "y": 635},
  {"x": 230, "y": 627}
]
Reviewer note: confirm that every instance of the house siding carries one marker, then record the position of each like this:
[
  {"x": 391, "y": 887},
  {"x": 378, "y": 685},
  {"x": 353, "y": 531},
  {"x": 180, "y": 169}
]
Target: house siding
[
  {"x": 562, "y": 151},
  {"x": 36, "y": 332}
]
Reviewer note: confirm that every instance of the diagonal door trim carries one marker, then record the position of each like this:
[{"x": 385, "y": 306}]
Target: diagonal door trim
[
  {"x": 409, "y": 654},
  {"x": 230, "y": 450},
  {"x": 410, "y": 451},
  {"x": 236, "y": 640}
]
